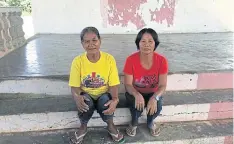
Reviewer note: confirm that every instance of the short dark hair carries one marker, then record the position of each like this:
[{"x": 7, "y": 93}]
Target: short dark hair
[
  {"x": 88, "y": 30},
  {"x": 150, "y": 31}
]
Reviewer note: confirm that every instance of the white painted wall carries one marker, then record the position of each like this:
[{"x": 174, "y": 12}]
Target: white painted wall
[
  {"x": 28, "y": 26},
  {"x": 71, "y": 16}
]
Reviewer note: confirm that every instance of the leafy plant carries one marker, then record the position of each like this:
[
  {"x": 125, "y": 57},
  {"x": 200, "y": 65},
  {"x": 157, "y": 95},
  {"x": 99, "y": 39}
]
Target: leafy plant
[
  {"x": 3, "y": 4},
  {"x": 25, "y": 4}
]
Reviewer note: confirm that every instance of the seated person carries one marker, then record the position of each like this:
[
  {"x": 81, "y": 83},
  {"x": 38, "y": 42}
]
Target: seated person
[
  {"x": 145, "y": 79},
  {"x": 94, "y": 82}
]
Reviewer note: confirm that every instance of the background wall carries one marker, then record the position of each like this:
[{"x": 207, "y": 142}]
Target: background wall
[{"x": 129, "y": 16}]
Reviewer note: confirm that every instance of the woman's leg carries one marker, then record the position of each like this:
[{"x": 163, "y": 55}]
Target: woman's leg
[
  {"x": 101, "y": 101},
  {"x": 132, "y": 128},
  {"x": 155, "y": 131},
  {"x": 85, "y": 116},
  {"x": 150, "y": 118},
  {"x": 134, "y": 112}
]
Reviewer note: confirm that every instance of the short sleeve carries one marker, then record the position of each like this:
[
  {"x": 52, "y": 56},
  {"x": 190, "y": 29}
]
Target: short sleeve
[
  {"x": 128, "y": 66},
  {"x": 74, "y": 80},
  {"x": 164, "y": 66},
  {"x": 114, "y": 74}
]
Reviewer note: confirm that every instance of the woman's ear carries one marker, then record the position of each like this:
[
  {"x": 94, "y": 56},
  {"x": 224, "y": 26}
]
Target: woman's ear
[
  {"x": 100, "y": 40},
  {"x": 156, "y": 45}
]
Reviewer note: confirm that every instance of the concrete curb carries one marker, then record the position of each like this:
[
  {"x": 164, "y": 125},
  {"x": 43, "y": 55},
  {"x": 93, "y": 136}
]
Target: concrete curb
[
  {"x": 198, "y": 132},
  {"x": 65, "y": 77},
  {"x": 210, "y": 140},
  {"x": 18, "y": 103},
  {"x": 176, "y": 82},
  {"x": 69, "y": 119}
]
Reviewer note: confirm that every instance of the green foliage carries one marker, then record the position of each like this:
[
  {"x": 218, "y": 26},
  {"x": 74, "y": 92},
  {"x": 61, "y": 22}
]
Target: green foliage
[
  {"x": 3, "y": 4},
  {"x": 25, "y": 4},
  {"x": 14, "y": 2},
  {"x": 27, "y": 7}
]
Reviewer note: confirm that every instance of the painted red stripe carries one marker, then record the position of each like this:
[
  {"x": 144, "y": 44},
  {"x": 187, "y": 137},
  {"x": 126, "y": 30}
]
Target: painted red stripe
[
  {"x": 221, "y": 110},
  {"x": 222, "y": 106},
  {"x": 215, "y": 80},
  {"x": 220, "y": 115},
  {"x": 228, "y": 140}
]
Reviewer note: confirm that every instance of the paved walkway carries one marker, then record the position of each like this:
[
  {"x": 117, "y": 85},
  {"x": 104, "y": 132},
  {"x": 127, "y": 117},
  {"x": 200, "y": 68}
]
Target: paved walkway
[
  {"x": 203, "y": 132},
  {"x": 53, "y": 54}
]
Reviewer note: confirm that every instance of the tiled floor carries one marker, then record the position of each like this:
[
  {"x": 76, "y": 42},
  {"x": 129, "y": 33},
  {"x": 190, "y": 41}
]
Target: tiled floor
[{"x": 53, "y": 54}]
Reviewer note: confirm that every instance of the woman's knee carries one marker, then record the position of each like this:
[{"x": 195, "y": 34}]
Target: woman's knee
[
  {"x": 159, "y": 106},
  {"x": 130, "y": 100},
  {"x": 88, "y": 100},
  {"x": 102, "y": 100}
]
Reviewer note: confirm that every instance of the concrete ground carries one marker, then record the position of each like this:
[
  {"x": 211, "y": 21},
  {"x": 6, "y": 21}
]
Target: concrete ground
[
  {"x": 52, "y": 54},
  {"x": 202, "y": 132}
]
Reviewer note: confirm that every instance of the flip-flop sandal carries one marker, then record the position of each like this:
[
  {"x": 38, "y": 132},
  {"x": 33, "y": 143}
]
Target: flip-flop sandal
[
  {"x": 117, "y": 137},
  {"x": 131, "y": 131},
  {"x": 155, "y": 131},
  {"x": 80, "y": 138}
]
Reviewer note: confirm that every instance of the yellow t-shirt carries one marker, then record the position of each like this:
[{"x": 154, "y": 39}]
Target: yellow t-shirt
[{"x": 94, "y": 78}]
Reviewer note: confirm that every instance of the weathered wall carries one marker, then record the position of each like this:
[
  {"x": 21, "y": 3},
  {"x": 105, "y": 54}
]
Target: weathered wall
[
  {"x": 11, "y": 32},
  {"x": 128, "y": 16}
]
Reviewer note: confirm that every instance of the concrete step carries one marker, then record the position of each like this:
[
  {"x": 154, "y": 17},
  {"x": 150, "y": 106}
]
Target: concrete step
[
  {"x": 58, "y": 84},
  {"x": 200, "y": 132},
  {"x": 35, "y": 112}
]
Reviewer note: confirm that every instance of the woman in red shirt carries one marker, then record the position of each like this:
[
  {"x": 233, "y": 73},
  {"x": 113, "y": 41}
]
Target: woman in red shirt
[{"x": 145, "y": 80}]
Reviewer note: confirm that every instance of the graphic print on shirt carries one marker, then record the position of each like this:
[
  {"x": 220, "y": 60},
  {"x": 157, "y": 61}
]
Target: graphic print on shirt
[
  {"x": 93, "y": 80},
  {"x": 150, "y": 81}
]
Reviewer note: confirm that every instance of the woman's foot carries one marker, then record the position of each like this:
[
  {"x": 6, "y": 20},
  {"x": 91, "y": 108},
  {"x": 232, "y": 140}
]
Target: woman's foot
[
  {"x": 115, "y": 134},
  {"x": 80, "y": 134},
  {"x": 154, "y": 131},
  {"x": 112, "y": 128},
  {"x": 131, "y": 130}
]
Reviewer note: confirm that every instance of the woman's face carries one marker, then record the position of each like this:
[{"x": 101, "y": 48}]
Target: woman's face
[
  {"x": 147, "y": 44},
  {"x": 91, "y": 43}
]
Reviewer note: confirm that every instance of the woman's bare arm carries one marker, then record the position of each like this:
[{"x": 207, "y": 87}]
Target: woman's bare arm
[
  {"x": 128, "y": 79},
  {"x": 75, "y": 91},
  {"x": 162, "y": 85}
]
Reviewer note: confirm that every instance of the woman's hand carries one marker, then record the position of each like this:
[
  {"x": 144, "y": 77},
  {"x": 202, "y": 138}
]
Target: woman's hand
[
  {"x": 139, "y": 99},
  {"x": 139, "y": 102},
  {"x": 152, "y": 106},
  {"x": 112, "y": 106},
  {"x": 80, "y": 102}
]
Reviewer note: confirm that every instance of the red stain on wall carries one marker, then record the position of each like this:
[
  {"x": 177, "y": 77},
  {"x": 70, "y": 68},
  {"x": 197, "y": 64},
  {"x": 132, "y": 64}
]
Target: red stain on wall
[
  {"x": 121, "y": 12},
  {"x": 166, "y": 12}
]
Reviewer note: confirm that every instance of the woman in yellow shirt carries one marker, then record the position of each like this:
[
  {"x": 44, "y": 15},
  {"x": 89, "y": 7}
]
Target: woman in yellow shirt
[{"x": 94, "y": 84}]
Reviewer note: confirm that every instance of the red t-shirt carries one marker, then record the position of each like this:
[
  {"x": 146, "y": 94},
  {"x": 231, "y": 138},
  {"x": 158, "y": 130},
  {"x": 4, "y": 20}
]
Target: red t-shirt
[{"x": 145, "y": 81}]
